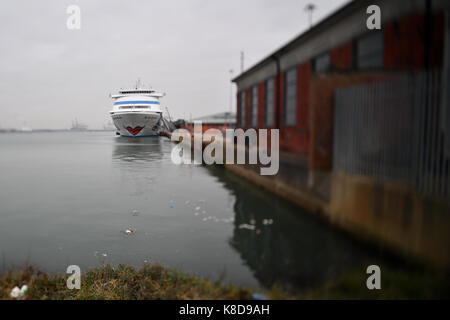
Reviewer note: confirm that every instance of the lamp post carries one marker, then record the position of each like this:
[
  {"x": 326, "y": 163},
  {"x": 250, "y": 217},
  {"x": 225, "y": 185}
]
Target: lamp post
[{"x": 310, "y": 8}]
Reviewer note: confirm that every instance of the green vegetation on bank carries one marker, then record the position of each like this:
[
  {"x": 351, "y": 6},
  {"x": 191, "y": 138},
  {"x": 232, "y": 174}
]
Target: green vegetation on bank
[
  {"x": 158, "y": 282},
  {"x": 123, "y": 282},
  {"x": 395, "y": 284}
]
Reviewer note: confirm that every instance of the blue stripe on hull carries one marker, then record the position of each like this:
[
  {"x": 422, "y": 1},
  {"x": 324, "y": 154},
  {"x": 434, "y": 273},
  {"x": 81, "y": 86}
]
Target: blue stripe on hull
[{"x": 135, "y": 102}]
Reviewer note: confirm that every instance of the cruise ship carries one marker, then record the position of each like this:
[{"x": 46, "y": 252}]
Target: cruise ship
[{"x": 137, "y": 112}]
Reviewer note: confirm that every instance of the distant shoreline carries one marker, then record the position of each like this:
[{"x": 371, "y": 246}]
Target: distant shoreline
[{"x": 52, "y": 130}]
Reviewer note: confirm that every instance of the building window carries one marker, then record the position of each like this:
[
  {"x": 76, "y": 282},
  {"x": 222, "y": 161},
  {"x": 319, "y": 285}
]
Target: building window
[
  {"x": 242, "y": 109},
  {"x": 290, "y": 110},
  {"x": 369, "y": 50},
  {"x": 254, "y": 106},
  {"x": 270, "y": 99},
  {"x": 322, "y": 62}
]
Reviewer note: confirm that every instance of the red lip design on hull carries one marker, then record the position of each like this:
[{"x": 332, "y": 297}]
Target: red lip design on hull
[{"x": 134, "y": 131}]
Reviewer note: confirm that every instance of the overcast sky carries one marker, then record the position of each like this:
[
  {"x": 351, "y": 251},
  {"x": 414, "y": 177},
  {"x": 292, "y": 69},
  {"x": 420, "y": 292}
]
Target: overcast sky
[{"x": 50, "y": 75}]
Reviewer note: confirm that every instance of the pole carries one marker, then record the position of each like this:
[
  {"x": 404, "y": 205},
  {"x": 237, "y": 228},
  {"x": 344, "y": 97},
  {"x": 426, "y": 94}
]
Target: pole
[{"x": 310, "y": 8}]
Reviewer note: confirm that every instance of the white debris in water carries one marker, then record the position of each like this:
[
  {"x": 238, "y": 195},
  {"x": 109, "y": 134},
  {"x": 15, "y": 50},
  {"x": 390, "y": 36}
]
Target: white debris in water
[
  {"x": 104, "y": 254},
  {"x": 187, "y": 202},
  {"x": 205, "y": 219},
  {"x": 196, "y": 213},
  {"x": 252, "y": 221},
  {"x": 197, "y": 208},
  {"x": 129, "y": 231},
  {"x": 267, "y": 222},
  {"x": 135, "y": 212},
  {"x": 247, "y": 226}
]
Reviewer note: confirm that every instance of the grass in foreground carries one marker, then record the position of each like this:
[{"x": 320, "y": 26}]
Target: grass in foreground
[
  {"x": 123, "y": 282},
  {"x": 398, "y": 285},
  {"x": 158, "y": 282}
]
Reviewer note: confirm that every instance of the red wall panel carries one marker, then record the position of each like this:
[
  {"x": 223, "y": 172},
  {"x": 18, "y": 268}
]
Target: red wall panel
[
  {"x": 341, "y": 57},
  {"x": 404, "y": 42}
]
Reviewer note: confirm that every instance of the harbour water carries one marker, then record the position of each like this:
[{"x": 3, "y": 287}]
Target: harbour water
[{"x": 67, "y": 198}]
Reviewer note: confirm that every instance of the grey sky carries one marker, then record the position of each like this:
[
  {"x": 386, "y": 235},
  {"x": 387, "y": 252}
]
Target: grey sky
[{"x": 50, "y": 75}]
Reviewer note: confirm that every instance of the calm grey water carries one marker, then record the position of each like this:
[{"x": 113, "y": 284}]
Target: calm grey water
[{"x": 66, "y": 198}]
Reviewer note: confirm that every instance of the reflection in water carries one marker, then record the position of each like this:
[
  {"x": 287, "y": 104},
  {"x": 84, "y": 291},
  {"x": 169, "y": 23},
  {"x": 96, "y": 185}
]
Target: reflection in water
[
  {"x": 138, "y": 161},
  {"x": 138, "y": 149},
  {"x": 295, "y": 250},
  {"x": 76, "y": 213}
]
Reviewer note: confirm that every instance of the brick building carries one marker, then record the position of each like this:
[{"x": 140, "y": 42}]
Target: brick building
[{"x": 292, "y": 89}]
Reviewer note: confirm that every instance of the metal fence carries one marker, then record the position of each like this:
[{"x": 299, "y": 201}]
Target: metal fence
[{"x": 396, "y": 130}]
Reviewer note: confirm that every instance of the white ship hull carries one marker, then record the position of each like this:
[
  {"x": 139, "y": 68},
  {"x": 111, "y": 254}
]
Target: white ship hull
[
  {"x": 137, "y": 124},
  {"x": 137, "y": 112}
]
